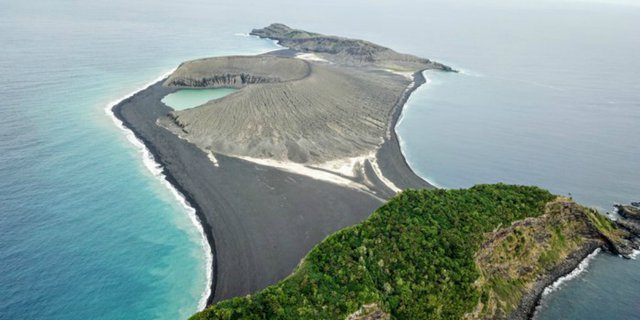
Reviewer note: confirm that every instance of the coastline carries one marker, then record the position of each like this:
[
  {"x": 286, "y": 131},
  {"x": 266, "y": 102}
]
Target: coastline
[
  {"x": 248, "y": 254},
  {"x": 246, "y": 238},
  {"x": 581, "y": 268},
  {"x": 155, "y": 168},
  {"x": 528, "y": 306},
  {"x": 402, "y": 144},
  {"x": 574, "y": 265},
  {"x": 393, "y": 162},
  {"x": 388, "y": 167}
]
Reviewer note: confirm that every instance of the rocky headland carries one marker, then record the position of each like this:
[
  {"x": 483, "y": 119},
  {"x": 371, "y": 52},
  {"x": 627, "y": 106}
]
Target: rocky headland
[
  {"x": 345, "y": 50},
  {"x": 488, "y": 252},
  {"x": 629, "y": 220},
  {"x": 517, "y": 263}
]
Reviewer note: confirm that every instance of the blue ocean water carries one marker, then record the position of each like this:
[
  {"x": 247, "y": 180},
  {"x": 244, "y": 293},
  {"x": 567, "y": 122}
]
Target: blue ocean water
[
  {"x": 86, "y": 230},
  {"x": 548, "y": 96}
]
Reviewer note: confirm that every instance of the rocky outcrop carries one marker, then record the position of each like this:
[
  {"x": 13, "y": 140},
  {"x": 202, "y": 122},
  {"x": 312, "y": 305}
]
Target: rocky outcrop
[
  {"x": 528, "y": 303},
  {"x": 344, "y": 49},
  {"x": 369, "y": 312},
  {"x": 629, "y": 221},
  {"x": 630, "y": 225},
  {"x": 518, "y": 262},
  {"x": 300, "y": 40},
  {"x": 628, "y": 212}
]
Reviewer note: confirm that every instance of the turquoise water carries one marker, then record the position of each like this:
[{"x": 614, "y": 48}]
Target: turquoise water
[
  {"x": 189, "y": 98},
  {"x": 549, "y": 96},
  {"x": 87, "y": 231}
]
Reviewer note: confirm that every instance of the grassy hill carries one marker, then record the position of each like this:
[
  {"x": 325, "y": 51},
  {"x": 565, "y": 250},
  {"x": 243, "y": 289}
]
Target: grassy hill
[{"x": 431, "y": 254}]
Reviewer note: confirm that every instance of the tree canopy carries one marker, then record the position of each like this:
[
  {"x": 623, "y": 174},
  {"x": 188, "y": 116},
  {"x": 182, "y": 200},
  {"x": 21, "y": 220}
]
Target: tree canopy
[{"x": 413, "y": 257}]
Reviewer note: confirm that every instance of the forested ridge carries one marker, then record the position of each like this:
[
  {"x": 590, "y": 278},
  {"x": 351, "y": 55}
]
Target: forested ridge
[{"x": 413, "y": 258}]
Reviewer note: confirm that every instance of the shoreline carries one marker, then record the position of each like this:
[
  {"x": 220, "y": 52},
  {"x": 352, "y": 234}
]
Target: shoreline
[
  {"x": 260, "y": 220},
  {"x": 400, "y": 172},
  {"x": 349, "y": 205},
  {"x": 581, "y": 268},
  {"x": 157, "y": 170},
  {"x": 401, "y": 143},
  {"x": 575, "y": 265},
  {"x": 529, "y": 304},
  {"x": 391, "y": 145}
]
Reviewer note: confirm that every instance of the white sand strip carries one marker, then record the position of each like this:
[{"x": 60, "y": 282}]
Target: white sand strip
[
  {"x": 387, "y": 182},
  {"x": 310, "y": 57},
  {"x": 333, "y": 171},
  {"x": 302, "y": 169},
  {"x": 157, "y": 171}
]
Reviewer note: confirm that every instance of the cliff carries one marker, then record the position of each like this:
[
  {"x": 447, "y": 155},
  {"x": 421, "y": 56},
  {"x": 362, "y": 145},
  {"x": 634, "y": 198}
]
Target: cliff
[
  {"x": 518, "y": 262},
  {"x": 629, "y": 221},
  {"x": 237, "y": 71},
  {"x": 481, "y": 253}
]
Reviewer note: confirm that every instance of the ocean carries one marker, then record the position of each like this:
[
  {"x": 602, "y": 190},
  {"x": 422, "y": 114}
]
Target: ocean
[{"x": 548, "y": 95}]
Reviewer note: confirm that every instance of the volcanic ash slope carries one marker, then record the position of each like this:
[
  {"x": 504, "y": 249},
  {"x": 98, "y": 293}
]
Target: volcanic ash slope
[
  {"x": 335, "y": 106},
  {"x": 330, "y": 113}
]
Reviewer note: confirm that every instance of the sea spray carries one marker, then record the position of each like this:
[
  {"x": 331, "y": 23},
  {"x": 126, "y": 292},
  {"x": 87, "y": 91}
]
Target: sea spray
[
  {"x": 157, "y": 171},
  {"x": 560, "y": 282},
  {"x": 582, "y": 267}
]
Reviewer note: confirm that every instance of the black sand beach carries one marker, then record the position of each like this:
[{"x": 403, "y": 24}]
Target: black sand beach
[
  {"x": 390, "y": 158},
  {"x": 259, "y": 221}
]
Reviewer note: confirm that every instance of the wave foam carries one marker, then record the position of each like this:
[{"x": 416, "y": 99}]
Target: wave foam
[
  {"x": 401, "y": 142},
  {"x": 582, "y": 267},
  {"x": 157, "y": 171}
]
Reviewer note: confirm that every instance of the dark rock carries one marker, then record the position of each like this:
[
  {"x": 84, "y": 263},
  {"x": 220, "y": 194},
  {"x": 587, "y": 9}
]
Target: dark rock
[
  {"x": 225, "y": 80},
  {"x": 351, "y": 50},
  {"x": 629, "y": 212},
  {"x": 630, "y": 225}
]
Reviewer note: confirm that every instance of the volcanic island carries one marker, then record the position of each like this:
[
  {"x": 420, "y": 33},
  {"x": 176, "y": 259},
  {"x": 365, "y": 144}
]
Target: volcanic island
[{"x": 311, "y": 210}]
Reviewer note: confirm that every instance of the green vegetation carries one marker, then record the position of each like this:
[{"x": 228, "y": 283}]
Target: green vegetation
[
  {"x": 414, "y": 258},
  {"x": 603, "y": 224},
  {"x": 514, "y": 258}
]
